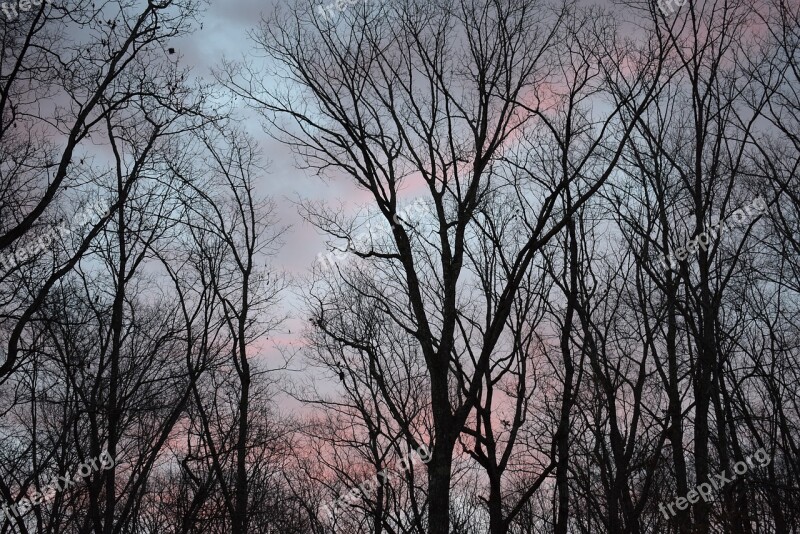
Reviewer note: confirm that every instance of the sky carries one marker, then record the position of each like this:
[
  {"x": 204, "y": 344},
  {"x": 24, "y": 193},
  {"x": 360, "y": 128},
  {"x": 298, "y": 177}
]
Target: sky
[{"x": 225, "y": 35}]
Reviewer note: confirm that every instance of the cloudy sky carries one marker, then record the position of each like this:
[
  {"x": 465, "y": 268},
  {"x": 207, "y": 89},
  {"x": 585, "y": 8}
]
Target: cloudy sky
[{"x": 225, "y": 35}]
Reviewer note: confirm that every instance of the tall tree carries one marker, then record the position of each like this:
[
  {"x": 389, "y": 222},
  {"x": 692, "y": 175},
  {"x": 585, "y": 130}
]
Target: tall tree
[{"x": 430, "y": 96}]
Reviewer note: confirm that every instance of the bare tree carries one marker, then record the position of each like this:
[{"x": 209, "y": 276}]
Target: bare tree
[
  {"x": 490, "y": 72},
  {"x": 88, "y": 83},
  {"x": 233, "y": 232}
]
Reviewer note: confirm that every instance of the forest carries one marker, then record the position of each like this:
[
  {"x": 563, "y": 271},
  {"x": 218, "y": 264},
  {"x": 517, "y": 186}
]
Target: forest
[{"x": 533, "y": 266}]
